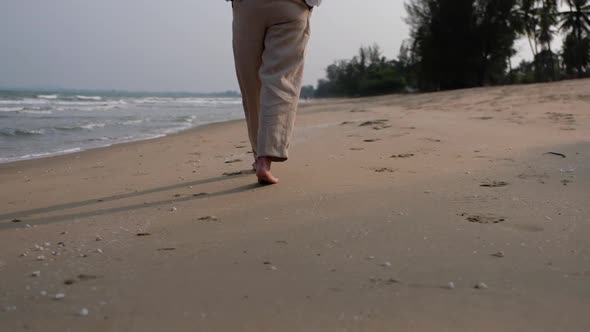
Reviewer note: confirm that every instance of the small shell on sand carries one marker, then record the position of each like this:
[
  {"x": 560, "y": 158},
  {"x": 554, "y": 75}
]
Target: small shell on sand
[
  {"x": 59, "y": 296},
  {"x": 40, "y": 258},
  {"x": 83, "y": 312},
  {"x": 481, "y": 285},
  {"x": 451, "y": 285}
]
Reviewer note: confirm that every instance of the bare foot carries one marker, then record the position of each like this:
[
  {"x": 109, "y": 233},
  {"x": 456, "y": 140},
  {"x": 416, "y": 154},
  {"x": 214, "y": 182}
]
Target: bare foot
[{"x": 263, "y": 171}]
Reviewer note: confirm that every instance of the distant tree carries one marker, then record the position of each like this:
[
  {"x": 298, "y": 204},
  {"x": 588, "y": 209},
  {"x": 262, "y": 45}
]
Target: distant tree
[
  {"x": 307, "y": 92},
  {"x": 525, "y": 73},
  {"x": 527, "y": 22},
  {"x": 462, "y": 43},
  {"x": 575, "y": 22},
  {"x": 545, "y": 60},
  {"x": 366, "y": 74}
]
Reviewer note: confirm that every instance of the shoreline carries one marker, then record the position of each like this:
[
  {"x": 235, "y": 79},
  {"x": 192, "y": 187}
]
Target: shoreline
[{"x": 79, "y": 151}]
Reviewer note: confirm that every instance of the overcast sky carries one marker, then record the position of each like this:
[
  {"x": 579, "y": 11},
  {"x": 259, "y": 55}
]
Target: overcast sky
[{"x": 165, "y": 45}]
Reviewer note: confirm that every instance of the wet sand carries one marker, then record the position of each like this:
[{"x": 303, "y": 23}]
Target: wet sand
[{"x": 455, "y": 211}]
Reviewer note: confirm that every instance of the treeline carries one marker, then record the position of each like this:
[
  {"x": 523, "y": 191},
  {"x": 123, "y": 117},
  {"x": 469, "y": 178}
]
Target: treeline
[{"x": 468, "y": 43}]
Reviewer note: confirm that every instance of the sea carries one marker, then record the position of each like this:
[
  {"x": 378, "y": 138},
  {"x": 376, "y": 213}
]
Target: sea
[{"x": 37, "y": 124}]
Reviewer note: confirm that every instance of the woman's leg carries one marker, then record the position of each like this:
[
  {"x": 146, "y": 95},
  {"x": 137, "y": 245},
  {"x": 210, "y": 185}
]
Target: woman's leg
[
  {"x": 248, "y": 44},
  {"x": 281, "y": 75}
]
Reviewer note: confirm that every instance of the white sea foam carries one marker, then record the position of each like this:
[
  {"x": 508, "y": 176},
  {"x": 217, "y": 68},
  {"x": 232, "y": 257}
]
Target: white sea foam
[
  {"x": 89, "y": 97},
  {"x": 50, "y": 97},
  {"x": 26, "y": 101},
  {"x": 130, "y": 122},
  {"x": 11, "y": 109},
  {"x": 28, "y": 111},
  {"x": 91, "y": 125},
  {"x": 39, "y": 155},
  {"x": 12, "y": 132}
]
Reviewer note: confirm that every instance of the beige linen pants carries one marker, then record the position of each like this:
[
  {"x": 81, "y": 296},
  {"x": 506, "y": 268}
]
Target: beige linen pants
[{"x": 269, "y": 40}]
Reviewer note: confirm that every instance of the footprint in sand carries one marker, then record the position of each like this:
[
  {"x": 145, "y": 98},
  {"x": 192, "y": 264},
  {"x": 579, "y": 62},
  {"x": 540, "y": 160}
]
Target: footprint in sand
[
  {"x": 494, "y": 184},
  {"x": 376, "y": 124},
  {"x": 567, "y": 120},
  {"x": 210, "y": 219},
  {"x": 432, "y": 140},
  {"x": 234, "y": 173},
  {"x": 483, "y": 219},
  {"x": 403, "y": 155},
  {"x": 383, "y": 170}
]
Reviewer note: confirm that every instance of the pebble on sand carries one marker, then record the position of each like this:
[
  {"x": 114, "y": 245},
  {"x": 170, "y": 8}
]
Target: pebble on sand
[
  {"x": 173, "y": 209},
  {"x": 99, "y": 251},
  {"x": 499, "y": 254},
  {"x": 40, "y": 258},
  {"x": 98, "y": 238},
  {"x": 83, "y": 312},
  {"x": 481, "y": 285},
  {"x": 210, "y": 219},
  {"x": 386, "y": 264},
  {"x": 451, "y": 285},
  {"x": 59, "y": 296},
  {"x": 36, "y": 274}
]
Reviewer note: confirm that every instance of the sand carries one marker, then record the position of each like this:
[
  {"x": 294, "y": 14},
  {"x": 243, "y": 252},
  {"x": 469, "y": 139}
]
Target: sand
[{"x": 389, "y": 213}]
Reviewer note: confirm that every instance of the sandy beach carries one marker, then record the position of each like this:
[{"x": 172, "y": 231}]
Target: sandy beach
[{"x": 455, "y": 211}]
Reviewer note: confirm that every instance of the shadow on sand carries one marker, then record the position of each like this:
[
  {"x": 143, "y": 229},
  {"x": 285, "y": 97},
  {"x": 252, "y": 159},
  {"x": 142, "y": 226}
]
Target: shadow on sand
[{"x": 7, "y": 220}]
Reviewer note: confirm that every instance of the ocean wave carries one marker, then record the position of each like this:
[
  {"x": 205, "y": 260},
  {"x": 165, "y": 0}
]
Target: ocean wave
[
  {"x": 26, "y": 101},
  {"x": 11, "y": 109},
  {"x": 187, "y": 101},
  {"x": 50, "y": 97},
  {"x": 34, "y": 111},
  {"x": 86, "y": 126},
  {"x": 92, "y": 125},
  {"x": 39, "y": 155},
  {"x": 130, "y": 122},
  {"x": 189, "y": 119},
  {"x": 88, "y": 98},
  {"x": 12, "y": 132}
]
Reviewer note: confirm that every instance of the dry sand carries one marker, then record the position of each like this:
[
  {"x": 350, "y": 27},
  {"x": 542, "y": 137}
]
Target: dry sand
[{"x": 388, "y": 215}]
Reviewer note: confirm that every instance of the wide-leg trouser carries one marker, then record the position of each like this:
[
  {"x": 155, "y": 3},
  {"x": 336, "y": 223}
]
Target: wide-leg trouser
[{"x": 269, "y": 41}]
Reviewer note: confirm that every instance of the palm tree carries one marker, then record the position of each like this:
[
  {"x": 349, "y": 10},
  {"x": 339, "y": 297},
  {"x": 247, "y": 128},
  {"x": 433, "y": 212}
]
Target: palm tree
[
  {"x": 527, "y": 22},
  {"x": 547, "y": 18},
  {"x": 576, "y": 22},
  {"x": 547, "y": 15}
]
